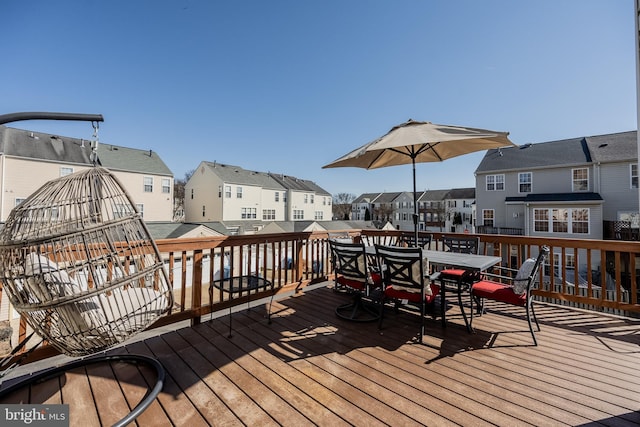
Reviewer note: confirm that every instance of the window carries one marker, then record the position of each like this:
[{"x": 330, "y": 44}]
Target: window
[
  {"x": 121, "y": 210},
  {"x": 311, "y": 199},
  {"x": 452, "y": 203},
  {"x": 495, "y": 182},
  {"x": 319, "y": 215},
  {"x": 166, "y": 185},
  {"x": 192, "y": 194},
  {"x": 284, "y": 197},
  {"x": 569, "y": 262},
  {"x": 634, "y": 175},
  {"x": 298, "y": 214},
  {"x": 488, "y": 217},
  {"x": 268, "y": 214},
  {"x": 248, "y": 213},
  {"x": 65, "y": 171},
  {"x": 524, "y": 182},
  {"x": 306, "y": 198},
  {"x": 580, "y": 221},
  {"x": 541, "y": 220},
  {"x": 140, "y": 208},
  {"x": 580, "y": 179},
  {"x": 148, "y": 184},
  {"x": 239, "y": 192},
  {"x": 203, "y": 210},
  {"x": 277, "y": 196},
  {"x": 561, "y": 220},
  {"x": 227, "y": 191}
]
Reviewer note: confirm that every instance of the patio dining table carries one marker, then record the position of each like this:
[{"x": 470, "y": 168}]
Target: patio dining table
[{"x": 472, "y": 263}]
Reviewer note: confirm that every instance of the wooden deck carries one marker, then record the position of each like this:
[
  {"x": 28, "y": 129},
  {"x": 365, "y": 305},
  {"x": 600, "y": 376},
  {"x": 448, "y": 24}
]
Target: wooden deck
[{"x": 310, "y": 368}]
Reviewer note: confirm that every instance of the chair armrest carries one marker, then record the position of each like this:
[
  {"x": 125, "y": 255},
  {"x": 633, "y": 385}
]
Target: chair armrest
[{"x": 498, "y": 277}]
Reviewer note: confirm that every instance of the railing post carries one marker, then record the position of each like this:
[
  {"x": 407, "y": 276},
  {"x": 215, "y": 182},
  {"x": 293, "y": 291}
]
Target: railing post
[{"x": 196, "y": 286}]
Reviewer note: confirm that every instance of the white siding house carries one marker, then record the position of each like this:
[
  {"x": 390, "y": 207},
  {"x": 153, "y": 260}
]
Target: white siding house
[
  {"x": 219, "y": 192},
  {"x": 30, "y": 159}
]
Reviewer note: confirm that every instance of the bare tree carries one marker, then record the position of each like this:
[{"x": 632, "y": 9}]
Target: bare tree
[
  {"x": 342, "y": 205},
  {"x": 178, "y": 195},
  {"x": 383, "y": 212}
]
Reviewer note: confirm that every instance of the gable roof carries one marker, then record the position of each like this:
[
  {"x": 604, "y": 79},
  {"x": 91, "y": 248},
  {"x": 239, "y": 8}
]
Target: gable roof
[
  {"x": 430, "y": 195},
  {"x": 174, "y": 230},
  {"x": 614, "y": 147},
  {"x": 63, "y": 149},
  {"x": 237, "y": 175},
  {"x": 293, "y": 183},
  {"x": 545, "y": 154},
  {"x": 365, "y": 198},
  {"x": 462, "y": 193},
  {"x": 386, "y": 197}
]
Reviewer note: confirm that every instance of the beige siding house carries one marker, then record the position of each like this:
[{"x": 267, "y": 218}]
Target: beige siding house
[
  {"x": 29, "y": 159},
  {"x": 219, "y": 192}
]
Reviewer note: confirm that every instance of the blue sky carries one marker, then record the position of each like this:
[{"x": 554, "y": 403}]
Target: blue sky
[{"x": 287, "y": 86}]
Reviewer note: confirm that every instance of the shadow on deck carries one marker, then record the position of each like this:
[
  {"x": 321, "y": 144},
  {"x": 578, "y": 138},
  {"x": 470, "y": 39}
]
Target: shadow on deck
[{"x": 310, "y": 367}]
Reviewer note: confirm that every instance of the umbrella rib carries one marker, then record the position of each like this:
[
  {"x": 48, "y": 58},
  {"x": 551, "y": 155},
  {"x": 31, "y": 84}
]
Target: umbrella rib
[
  {"x": 431, "y": 147},
  {"x": 375, "y": 159}
]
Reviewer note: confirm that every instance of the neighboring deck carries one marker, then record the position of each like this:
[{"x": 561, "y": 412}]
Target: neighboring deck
[{"x": 309, "y": 367}]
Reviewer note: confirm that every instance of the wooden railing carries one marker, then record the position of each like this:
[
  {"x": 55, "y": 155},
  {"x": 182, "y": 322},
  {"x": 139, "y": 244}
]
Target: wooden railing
[{"x": 291, "y": 261}]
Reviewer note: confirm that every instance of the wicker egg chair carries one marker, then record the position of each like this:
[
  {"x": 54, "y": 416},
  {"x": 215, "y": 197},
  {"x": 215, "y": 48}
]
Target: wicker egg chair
[{"x": 78, "y": 263}]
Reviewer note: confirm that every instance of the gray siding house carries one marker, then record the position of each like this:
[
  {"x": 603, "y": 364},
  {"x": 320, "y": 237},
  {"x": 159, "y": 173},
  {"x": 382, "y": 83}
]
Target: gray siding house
[{"x": 563, "y": 188}]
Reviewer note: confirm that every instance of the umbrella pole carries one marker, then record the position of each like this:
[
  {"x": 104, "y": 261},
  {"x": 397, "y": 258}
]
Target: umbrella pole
[{"x": 415, "y": 203}]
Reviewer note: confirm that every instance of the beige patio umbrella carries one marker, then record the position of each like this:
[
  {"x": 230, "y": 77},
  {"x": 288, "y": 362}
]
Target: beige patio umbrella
[{"x": 419, "y": 142}]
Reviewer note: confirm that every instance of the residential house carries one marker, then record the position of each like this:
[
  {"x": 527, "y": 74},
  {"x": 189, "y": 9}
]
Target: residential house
[
  {"x": 382, "y": 208},
  {"x": 438, "y": 210},
  {"x": 30, "y": 159},
  {"x": 432, "y": 210},
  {"x": 568, "y": 188},
  {"x": 361, "y": 207},
  {"x": 239, "y": 197},
  {"x": 404, "y": 210},
  {"x": 561, "y": 188},
  {"x": 459, "y": 209}
]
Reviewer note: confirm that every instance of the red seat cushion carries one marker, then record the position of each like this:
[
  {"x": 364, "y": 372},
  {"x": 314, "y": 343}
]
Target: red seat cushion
[
  {"x": 352, "y": 283},
  {"x": 389, "y": 292},
  {"x": 452, "y": 273},
  {"x": 498, "y": 292},
  {"x": 376, "y": 278}
]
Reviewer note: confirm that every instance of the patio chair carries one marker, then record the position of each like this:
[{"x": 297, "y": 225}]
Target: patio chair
[
  {"x": 405, "y": 279},
  {"x": 78, "y": 263},
  {"x": 460, "y": 277},
  {"x": 424, "y": 241},
  {"x": 352, "y": 271},
  {"x": 512, "y": 287}
]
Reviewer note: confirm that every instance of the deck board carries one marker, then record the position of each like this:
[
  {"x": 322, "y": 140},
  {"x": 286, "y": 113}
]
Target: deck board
[{"x": 309, "y": 367}]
